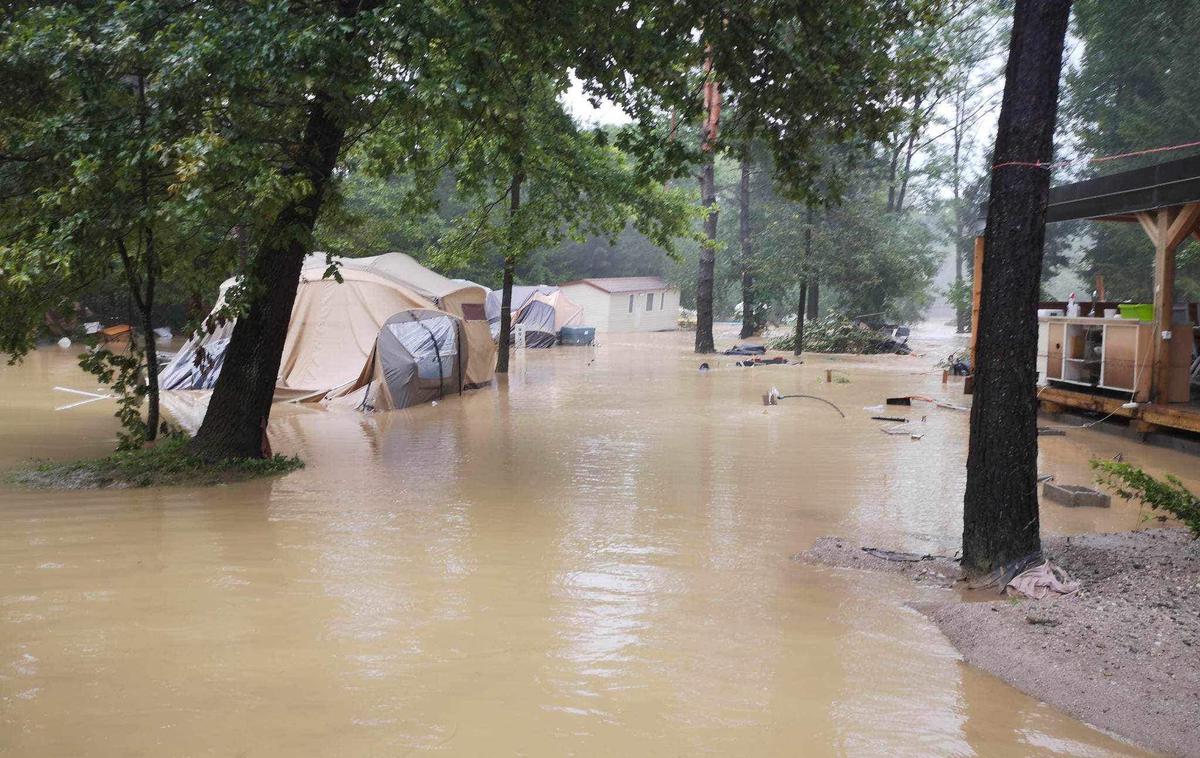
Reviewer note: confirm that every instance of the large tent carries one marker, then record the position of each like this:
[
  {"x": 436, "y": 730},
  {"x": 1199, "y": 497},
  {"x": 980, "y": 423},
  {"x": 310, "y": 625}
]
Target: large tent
[
  {"x": 334, "y": 327},
  {"x": 541, "y": 309}
]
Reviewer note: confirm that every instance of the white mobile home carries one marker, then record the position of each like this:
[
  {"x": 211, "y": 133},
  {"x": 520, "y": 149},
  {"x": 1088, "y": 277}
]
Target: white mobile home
[{"x": 626, "y": 303}]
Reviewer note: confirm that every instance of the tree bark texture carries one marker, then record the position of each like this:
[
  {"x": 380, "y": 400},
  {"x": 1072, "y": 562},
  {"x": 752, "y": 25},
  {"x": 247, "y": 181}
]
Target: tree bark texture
[
  {"x": 236, "y": 420},
  {"x": 798, "y": 348},
  {"x": 708, "y": 198},
  {"x": 1000, "y": 513},
  {"x": 504, "y": 343},
  {"x": 152, "y": 413},
  {"x": 749, "y": 322}
]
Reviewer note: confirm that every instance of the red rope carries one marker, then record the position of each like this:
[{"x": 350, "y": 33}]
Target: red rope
[{"x": 1099, "y": 159}]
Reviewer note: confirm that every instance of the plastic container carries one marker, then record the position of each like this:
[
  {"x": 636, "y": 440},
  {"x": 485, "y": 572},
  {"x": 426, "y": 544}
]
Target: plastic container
[
  {"x": 577, "y": 335},
  {"x": 1137, "y": 311}
]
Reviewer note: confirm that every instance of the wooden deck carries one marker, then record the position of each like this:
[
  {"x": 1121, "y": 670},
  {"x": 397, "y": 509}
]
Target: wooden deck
[{"x": 1148, "y": 417}]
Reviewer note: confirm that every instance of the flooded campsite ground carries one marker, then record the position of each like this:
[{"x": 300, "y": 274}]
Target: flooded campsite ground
[{"x": 593, "y": 558}]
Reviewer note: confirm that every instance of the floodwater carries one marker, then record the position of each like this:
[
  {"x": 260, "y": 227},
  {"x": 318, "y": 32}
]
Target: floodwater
[{"x": 592, "y": 559}]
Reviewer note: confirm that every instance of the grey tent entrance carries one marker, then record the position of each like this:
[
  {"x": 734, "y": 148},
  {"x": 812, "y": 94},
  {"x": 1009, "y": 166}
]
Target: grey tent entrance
[{"x": 418, "y": 356}]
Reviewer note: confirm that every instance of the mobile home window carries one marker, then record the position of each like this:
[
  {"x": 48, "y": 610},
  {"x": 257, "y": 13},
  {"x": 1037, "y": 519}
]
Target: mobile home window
[
  {"x": 649, "y": 301},
  {"x": 631, "y": 303}
]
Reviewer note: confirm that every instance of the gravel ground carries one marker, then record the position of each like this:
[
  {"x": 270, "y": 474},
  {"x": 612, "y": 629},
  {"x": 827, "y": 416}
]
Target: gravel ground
[{"x": 1123, "y": 654}]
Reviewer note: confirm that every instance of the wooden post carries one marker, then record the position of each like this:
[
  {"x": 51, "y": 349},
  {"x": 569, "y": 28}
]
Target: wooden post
[
  {"x": 976, "y": 296},
  {"x": 1167, "y": 229},
  {"x": 1164, "y": 306}
]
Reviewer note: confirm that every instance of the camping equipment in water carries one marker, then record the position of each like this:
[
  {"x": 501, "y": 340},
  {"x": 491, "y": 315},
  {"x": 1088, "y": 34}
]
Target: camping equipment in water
[
  {"x": 418, "y": 357},
  {"x": 333, "y": 326},
  {"x": 577, "y": 335},
  {"x": 746, "y": 350},
  {"x": 542, "y": 310}
]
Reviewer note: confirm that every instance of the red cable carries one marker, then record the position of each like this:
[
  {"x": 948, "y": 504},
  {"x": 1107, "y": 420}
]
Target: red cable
[{"x": 1099, "y": 159}]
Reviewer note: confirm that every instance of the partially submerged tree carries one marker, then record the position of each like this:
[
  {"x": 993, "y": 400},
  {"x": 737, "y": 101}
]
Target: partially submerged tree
[
  {"x": 1000, "y": 514},
  {"x": 101, "y": 130},
  {"x": 746, "y": 247}
]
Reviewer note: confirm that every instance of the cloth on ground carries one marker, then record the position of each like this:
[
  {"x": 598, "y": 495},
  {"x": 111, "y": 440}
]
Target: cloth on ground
[{"x": 1041, "y": 581}]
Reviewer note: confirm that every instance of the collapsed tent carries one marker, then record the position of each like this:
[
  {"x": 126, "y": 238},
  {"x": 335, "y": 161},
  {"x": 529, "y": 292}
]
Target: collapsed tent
[
  {"x": 334, "y": 327},
  {"x": 541, "y": 309},
  {"x": 418, "y": 356}
]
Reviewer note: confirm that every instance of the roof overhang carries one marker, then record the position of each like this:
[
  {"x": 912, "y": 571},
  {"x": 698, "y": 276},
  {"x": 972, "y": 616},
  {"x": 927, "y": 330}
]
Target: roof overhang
[{"x": 1118, "y": 197}]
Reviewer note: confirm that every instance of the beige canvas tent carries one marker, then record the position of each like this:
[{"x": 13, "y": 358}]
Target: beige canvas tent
[{"x": 334, "y": 327}]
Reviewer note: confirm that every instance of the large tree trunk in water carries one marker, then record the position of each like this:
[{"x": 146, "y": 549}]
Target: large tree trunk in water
[
  {"x": 960, "y": 310},
  {"x": 505, "y": 337},
  {"x": 749, "y": 322},
  {"x": 708, "y": 198},
  {"x": 798, "y": 348},
  {"x": 708, "y": 261},
  {"x": 506, "y": 286},
  {"x": 236, "y": 420},
  {"x": 1000, "y": 514},
  {"x": 814, "y": 297},
  {"x": 151, "y": 356}
]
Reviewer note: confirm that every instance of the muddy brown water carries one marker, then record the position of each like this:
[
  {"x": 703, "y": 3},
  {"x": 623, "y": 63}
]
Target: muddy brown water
[{"x": 591, "y": 559}]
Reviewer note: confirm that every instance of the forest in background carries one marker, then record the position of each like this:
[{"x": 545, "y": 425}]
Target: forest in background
[{"x": 908, "y": 206}]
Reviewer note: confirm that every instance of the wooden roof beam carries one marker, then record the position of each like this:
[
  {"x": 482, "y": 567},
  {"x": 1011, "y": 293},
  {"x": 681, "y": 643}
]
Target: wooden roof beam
[{"x": 1184, "y": 224}]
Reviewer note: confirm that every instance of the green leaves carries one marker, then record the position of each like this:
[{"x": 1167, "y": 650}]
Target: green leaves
[{"x": 1132, "y": 483}]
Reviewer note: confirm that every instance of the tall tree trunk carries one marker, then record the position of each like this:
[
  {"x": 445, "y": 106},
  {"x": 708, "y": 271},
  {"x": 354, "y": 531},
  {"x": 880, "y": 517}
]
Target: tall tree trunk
[
  {"x": 814, "y": 296},
  {"x": 960, "y": 213},
  {"x": 152, "y": 413},
  {"x": 708, "y": 261},
  {"x": 236, "y": 420},
  {"x": 145, "y": 298},
  {"x": 708, "y": 198},
  {"x": 798, "y": 348},
  {"x": 807, "y": 304},
  {"x": 1000, "y": 513},
  {"x": 893, "y": 169},
  {"x": 749, "y": 322},
  {"x": 510, "y": 266},
  {"x": 960, "y": 309},
  {"x": 142, "y": 294},
  {"x": 910, "y": 149}
]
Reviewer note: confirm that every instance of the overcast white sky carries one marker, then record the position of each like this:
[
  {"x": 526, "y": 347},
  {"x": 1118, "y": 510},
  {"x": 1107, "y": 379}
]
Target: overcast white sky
[{"x": 578, "y": 106}]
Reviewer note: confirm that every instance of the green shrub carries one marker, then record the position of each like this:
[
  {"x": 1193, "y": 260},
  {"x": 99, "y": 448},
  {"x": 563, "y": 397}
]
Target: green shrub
[{"x": 1131, "y": 483}]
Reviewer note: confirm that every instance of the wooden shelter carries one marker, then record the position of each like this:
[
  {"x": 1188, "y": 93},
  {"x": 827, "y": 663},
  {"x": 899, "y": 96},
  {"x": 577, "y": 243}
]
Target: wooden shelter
[{"x": 1165, "y": 201}]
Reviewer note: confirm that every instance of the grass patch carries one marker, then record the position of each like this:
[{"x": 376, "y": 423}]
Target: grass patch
[{"x": 166, "y": 464}]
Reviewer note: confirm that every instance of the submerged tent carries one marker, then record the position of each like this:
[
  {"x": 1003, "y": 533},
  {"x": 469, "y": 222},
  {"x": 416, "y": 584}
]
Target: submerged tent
[
  {"x": 541, "y": 309},
  {"x": 418, "y": 356},
  {"x": 334, "y": 327}
]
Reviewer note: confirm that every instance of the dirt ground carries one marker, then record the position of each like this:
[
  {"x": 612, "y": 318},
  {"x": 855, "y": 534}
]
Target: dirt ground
[{"x": 1122, "y": 654}]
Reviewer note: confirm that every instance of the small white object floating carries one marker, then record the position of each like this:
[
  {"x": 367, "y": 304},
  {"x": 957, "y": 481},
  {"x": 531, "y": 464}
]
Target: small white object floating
[{"x": 64, "y": 342}]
